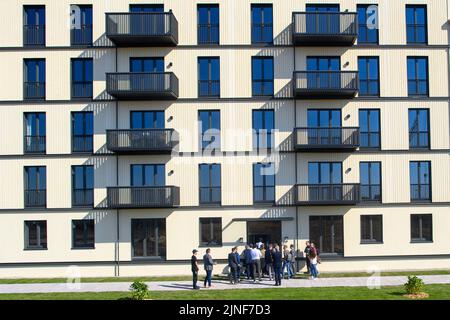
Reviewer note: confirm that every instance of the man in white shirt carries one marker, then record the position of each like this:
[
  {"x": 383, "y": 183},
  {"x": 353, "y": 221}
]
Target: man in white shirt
[{"x": 256, "y": 261}]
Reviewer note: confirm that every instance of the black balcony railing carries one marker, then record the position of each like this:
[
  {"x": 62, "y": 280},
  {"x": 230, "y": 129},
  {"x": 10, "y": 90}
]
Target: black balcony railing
[
  {"x": 82, "y": 90},
  {"x": 326, "y": 84},
  {"x": 34, "y": 90},
  {"x": 324, "y": 28},
  {"x": 327, "y": 194},
  {"x": 34, "y": 35},
  {"x": 140, "y": 140},
  {"x": 34, "y": 144},
  {"x": 82, "y": 143},
  {"x": 209, "y": 88},
  {"x": 83, "y": 198},
  {"x": 420, "y": 192},
  {"x": 326, "y": 139},
  {"x": 143, "y": 197},
  {"x": 142, "y": 85},
  {"x": 142, "y": 29},
  {"x": 35, "y": 198},
  {"x": 264, "y": 194},
  {"x": 210, "y": 195},
  {"x": 81, "y": 36}
]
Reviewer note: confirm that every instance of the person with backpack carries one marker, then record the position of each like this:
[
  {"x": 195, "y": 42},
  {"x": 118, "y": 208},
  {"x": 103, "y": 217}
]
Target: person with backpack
[{"x": 313, "y": 262}]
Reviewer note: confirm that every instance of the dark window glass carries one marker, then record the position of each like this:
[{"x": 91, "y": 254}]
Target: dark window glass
[
  {"x": 210, "y": 231},
  {"x": 324, "y": 173},
  {"x": 82, "y": 186},
  {"x": 319, "y": 122},
  {"x": 370, "y": 179},
  {"x": 81, "y": 32},
  {"x": 264, "y": 182},
  {"x": 83, "y": 234},
  {"x": 209, "y": 129},
  {"x": 322, "y": 72},
  {"x": 262, "y": 76},
  {"x": 263, "y": 126},
  {"x": 368, "y": 24},
  {"x": 420, "y": 180},
  {"x": 35, "y": 132},
  {"x": 369, "y": 128},
  {"x": 417, "y": 76},
  {"x": 147, "y": 64},
  {"x": 208, "y": 24},
  {"x": 34, "y": 79},
  {"x": 322, "y": 23},
  {"x": 147, "y": 119},
  {"x": 144, "y": 24},
  {"x": 372, "y": 229},
  {"x": 82, "y": 131},
  {"x": 34, "y": 26},
  {"x": 208, "y": 77},
  {"x": 416, "y": 24},
  {"x": 148, "y": 175},
  {"x": 421, "y": 227},
  {"x": 35, "y": 187},
  {"x": 210, "y": 183},
  {"x": 419, "y": 132},
  {"x": 36, "y": 234},
  {"x": 262, "y": 23},
  {"x": 148, "y": 238},
  {"x": 327, "y": 233},
  {"x": 82, "y": 77},
  {"x": 146, "y": 8},
  {"x": 369, "y": 81}
]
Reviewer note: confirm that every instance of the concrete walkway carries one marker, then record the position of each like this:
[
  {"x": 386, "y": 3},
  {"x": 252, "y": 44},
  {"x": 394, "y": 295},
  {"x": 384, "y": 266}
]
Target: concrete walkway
[{"x": 219, "y": 284}]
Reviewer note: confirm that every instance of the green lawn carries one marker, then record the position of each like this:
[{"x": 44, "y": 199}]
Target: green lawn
[{"x": 437, "y": 292}]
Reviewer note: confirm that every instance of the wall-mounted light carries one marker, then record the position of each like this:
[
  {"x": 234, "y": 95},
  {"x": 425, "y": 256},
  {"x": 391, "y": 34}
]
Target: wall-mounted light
[
  {"x": 170, "y": 173},
  {"x": 170, "y": 65},
  {"x": 346, "y": 64},
  {"x": 348, "y": 170},
  {"x": 347, "y": 117},
  {"x": 169, "y": 118}
]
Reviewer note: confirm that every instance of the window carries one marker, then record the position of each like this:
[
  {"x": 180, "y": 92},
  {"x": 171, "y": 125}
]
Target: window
[
  {"x": 210, "y": 184},
  {"x": 263, "y": 182},
  {"x": 147, "y": 119},
  {"x": 82, "y": 131},
  {"x": 145, "y": 71},
  {"x": 208, "y": 77},
  {"x": 82, "y": 77},
  {"x": 34, "y": 26},
  {"x": 263, "y": 126},
  {"x": 36, "y": 234},
  {"x": 323, "y": 72},
  {"x": 82, "y": 186},
  {"x": 148, "y": 238},
  {"x": 421, "y": 228},
  {"x": 83, "y": 234},
  {"x": 369, "y": 128},
  {"x": 35, "y": 187},
  {"x": 320, "y": 126},
  {"x": 209, "y": 129},
  {"x": 370, "y": 179},
  {"x": 140, "y": 8},
  {"x": 324, "y": 173},
  {"x": 35, "y": 132},
  {"x": 262, "y": 23},
  {"x": 369, "y": 76},
  {"x": 148, "y": 23},
  {"x": 420, "y": 180},
  {"x": 368, "y": 24},
  {"x": 321, "y": 19},
  {"x": 147, "y": 64},
  {"x": 208, "y": 24},
  {"x": 81, "y": 32},
  {"x": 210, "y": 232},
  {"x": 262, "y": 76},
  {"x": 419, "y": 133},
  {"x": 34, "y": 79},
  {"x": 148, "y": 175},
  {"x": 417, "y": 76},
  {"x": 372, "y": 229},
  {"x": 416, "y": 24}
]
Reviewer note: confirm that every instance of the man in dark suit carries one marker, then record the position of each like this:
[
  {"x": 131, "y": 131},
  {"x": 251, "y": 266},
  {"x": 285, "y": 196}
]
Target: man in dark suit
[
  {"x": 233, "y": 265},
  {"x": 194, "y": 268},
  {"x": 277, "y": 263}
]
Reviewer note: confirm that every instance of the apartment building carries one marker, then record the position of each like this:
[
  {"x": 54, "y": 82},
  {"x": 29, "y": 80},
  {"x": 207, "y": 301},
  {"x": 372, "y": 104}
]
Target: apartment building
[{"x": 135, "y": 131}]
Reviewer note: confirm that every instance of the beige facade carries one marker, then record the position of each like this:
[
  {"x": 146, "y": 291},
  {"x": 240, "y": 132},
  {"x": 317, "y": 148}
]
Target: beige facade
[{"x": 113, "y": 251}]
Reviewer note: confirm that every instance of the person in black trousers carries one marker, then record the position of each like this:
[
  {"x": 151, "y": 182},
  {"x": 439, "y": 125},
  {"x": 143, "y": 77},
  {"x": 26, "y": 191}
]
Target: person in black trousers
[
  {"x": 307, "y": 252},
  {"x": 194, "y": 268},
  {"x": 277, "y": 263},
  {"x": 233, "y": 265}
]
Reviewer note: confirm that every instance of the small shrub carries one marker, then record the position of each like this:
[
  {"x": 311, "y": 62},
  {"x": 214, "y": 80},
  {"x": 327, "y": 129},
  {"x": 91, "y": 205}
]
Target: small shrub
[
  {"x": 414, "y": 285},
  {"x": 139, "y": 290}
]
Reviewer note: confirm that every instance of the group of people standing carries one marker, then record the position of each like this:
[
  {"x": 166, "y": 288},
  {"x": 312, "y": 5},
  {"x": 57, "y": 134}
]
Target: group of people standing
[{"x": 256, "y": 261}]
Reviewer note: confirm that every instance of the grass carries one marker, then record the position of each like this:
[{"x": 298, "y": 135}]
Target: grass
[
  {"x": 188, "y": 278},
  {"x": 436, "y": 292}
]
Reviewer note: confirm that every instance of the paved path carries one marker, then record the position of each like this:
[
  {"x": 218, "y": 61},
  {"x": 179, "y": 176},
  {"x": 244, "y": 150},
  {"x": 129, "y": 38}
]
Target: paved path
[{"x": 218, "y": 285}]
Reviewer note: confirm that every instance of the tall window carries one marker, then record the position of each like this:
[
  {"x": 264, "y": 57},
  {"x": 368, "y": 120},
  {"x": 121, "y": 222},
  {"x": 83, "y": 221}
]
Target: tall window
[
  {"x": 82, "y": 131},
  {"x": 209, "y": 129},
  {"x": 83, "y": 234},
  {"x": 208, "y": 24},
  {"x": 263, "y": 182},
  {"x": 263, "y": 126},
  {"x": 370, "y": 179},
  {"x": 34, "y": 26},
  {"x": 421, "y": 228},
  {"x": 321, "y": 18},
  {"x": 420, "y": 180},
  {"x": 82, "y": 186},
  {"x": 320, "y": 126},
  {"x": 369, "y": 76},
  {"x": 209, "y": 77},
  {"x": 34, "y": 79},
  {"x": 82, "y": 77},
  {"x": 144, "y": 24},
  {"x": 371, "y": 229},
  {"x": 210, "y": 232},
  {"x": 147, "y": 64},
  {"x": 35, "y": 132},
  {"x": 210, "y": 184},
  {"x": 81, "y": 32},
  {"x": 416, "y": 24},
  {"x": 147, "y": 119},
  {"x": 325, "y": 181},
  {"x": 322, "y": 72},
  {"x": 262, "y": 23},
  {"x": 419, "y": 132},
  {"x": 369, "y": 128},
  {"x": 148, "y": 175},
  {"x": 262, "y": 76},
  {"x": 368, "y": 22},
  {"x": 36, "y": 235},
  {"x": 35, "y": 187},
  {"x": 148, "y": 238},
  {"x": 417, "y": 76}
]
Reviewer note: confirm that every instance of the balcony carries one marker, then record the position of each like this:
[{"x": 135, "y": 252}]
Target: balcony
[
  {"x": 326, "y": 84},
  {"x": 34, "y": 90},
  {"x": 143, "y": 197},
  {"x": 140, "y": 141},
  {"x": 34, "y": 35},
  {"x": 324, "y": 28},
  {"x": 35, "y": 198},
  {"x": 327, "y": 194},
  {"x": 142, "y": 29},
  {"x": 34, "y": 144},
  {"x": 326, "y": 139},
  {"x": 142, "y": 85}
]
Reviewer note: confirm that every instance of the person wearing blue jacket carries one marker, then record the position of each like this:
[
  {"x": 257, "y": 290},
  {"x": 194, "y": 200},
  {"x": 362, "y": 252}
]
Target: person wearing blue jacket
[
  {"x": 277, "y": 263},
  {"x": 248, "y": 262}
]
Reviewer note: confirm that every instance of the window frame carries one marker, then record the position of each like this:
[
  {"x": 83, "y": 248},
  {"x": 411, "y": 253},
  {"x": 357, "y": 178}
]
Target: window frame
[
  {"x": 39, "y": 224},
  {"x": 210, "y": 187},
  {"x": 72, "y": 82},
  {"x": 368, "y": 80},
  {"x": 201, "y": 135},
  {"x": 372, "y": 239},
  {"x": 417, "y": 79},
  {"x": 146, "y": 223},
  {"x": 209, "y": 25},
  {"x": 211, "y": 83},
  {"x": 85, "y": 136},
  {"x": 421, "y": 239},
  {"x": 419, "y": 184},
  {"x": 85, "y": 224},
  {"x": 211, "y": 221},
  {"x": 84, "y": 189},
  {"x": 263, "y": 79},
  {"x": 365, "y": 6},
  {"x": 418, "y": 132},
  {"x": 370, "y": 185},
  {"x": 264, "y": 184},
  {"x": 425, "y": 25},
  {"x": 262, "y": 26},
  {"x": 369, "y": 132}
]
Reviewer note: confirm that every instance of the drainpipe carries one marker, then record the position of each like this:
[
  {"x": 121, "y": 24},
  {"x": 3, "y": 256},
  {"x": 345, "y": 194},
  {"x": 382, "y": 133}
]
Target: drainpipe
[
  {"x": 295, "y": 165},
  {"x": 117, "y": 184}
]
